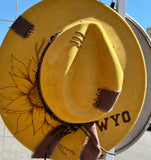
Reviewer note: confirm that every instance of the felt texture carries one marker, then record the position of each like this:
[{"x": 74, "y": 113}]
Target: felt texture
[
  {"x": 20, "y": 104},
  {"x": 91, "y": 66}
]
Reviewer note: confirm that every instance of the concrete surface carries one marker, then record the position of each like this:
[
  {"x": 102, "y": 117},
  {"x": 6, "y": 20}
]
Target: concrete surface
[
  {"x": 11, "y": 149},
  {"x": 141, "y": 150}
]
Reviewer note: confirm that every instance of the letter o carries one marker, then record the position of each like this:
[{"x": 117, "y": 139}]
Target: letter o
[{"x": 126, "y": 117}]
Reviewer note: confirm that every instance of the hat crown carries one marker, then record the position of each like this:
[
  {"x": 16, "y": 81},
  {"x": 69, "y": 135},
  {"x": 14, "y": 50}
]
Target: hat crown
[{"x": 84, "y": 61}]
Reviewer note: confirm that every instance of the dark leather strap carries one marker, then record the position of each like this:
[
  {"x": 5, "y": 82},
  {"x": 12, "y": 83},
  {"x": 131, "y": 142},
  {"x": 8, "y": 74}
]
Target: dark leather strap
[
  {"x": 90, "y": 151},
  {"x": 22, "y": 27},
  {"x": 105, "y": 99},
  {"x": 49, "y": 143}
]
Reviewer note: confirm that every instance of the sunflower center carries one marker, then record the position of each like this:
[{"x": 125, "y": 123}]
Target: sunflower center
[{"x": 35, "y": 98}]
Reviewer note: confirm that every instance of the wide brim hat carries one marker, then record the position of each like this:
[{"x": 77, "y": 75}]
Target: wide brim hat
[{"x": 22, "y": 107}]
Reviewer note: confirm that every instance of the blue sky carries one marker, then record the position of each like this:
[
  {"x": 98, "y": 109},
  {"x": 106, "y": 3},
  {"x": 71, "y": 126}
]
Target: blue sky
[{"x": 138, "y": 9}]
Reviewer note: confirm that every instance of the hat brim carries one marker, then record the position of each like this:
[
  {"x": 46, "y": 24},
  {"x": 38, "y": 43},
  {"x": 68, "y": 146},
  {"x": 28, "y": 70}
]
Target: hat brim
[
  {"x": 49, "y": 17},
  {"x": 140, "y": 126}
]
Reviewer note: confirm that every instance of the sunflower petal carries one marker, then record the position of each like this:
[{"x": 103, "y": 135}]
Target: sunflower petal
[
  {"x": 46, "y": 128},
  {"x": 32, "y": 70},
  {"x": 51, "y": 121},
  {"x": 3, "y": 102},
  {"x": 22, "y": 84},
  {"x": 48, "y": 118},
  {"x": 19, "y": 105},
  {"x": 38, "y": 118},
  {"x": 18, "y": 67},
  {"x": 10, "y": 92},
  {"x": 24, "y": 121}
]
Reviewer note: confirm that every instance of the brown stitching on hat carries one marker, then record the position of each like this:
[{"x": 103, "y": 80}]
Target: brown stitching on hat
[
  {"x": 22, "y": 27},
  {"x": 105, "y": 99},
  {"x": 76, "y": 37},
  {"x": 77, "y": 40},
  {"x": 81, "y": 34},
  {"x": 78, "y": 43}
]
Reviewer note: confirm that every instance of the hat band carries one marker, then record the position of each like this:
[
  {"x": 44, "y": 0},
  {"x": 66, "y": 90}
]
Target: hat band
[{"x": 52, "y": 38}]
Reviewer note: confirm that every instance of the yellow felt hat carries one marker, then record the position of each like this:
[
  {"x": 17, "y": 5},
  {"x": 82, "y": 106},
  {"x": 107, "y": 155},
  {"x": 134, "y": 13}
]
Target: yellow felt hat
[
  {"x": 58, "y": 53},
  {"x": 79, "y": 64}
]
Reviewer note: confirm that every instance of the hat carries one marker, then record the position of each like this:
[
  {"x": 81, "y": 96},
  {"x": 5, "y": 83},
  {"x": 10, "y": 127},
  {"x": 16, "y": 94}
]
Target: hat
[
  {"x": 59, "y": 54},
  {"x": 78, "y": 64}
]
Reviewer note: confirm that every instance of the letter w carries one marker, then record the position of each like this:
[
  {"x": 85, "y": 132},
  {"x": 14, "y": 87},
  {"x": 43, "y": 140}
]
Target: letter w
[{"x": 103, "y": 125}]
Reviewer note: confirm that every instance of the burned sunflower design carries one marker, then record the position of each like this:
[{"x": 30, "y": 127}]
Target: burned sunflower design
[{"x": 22, "y": 98}]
